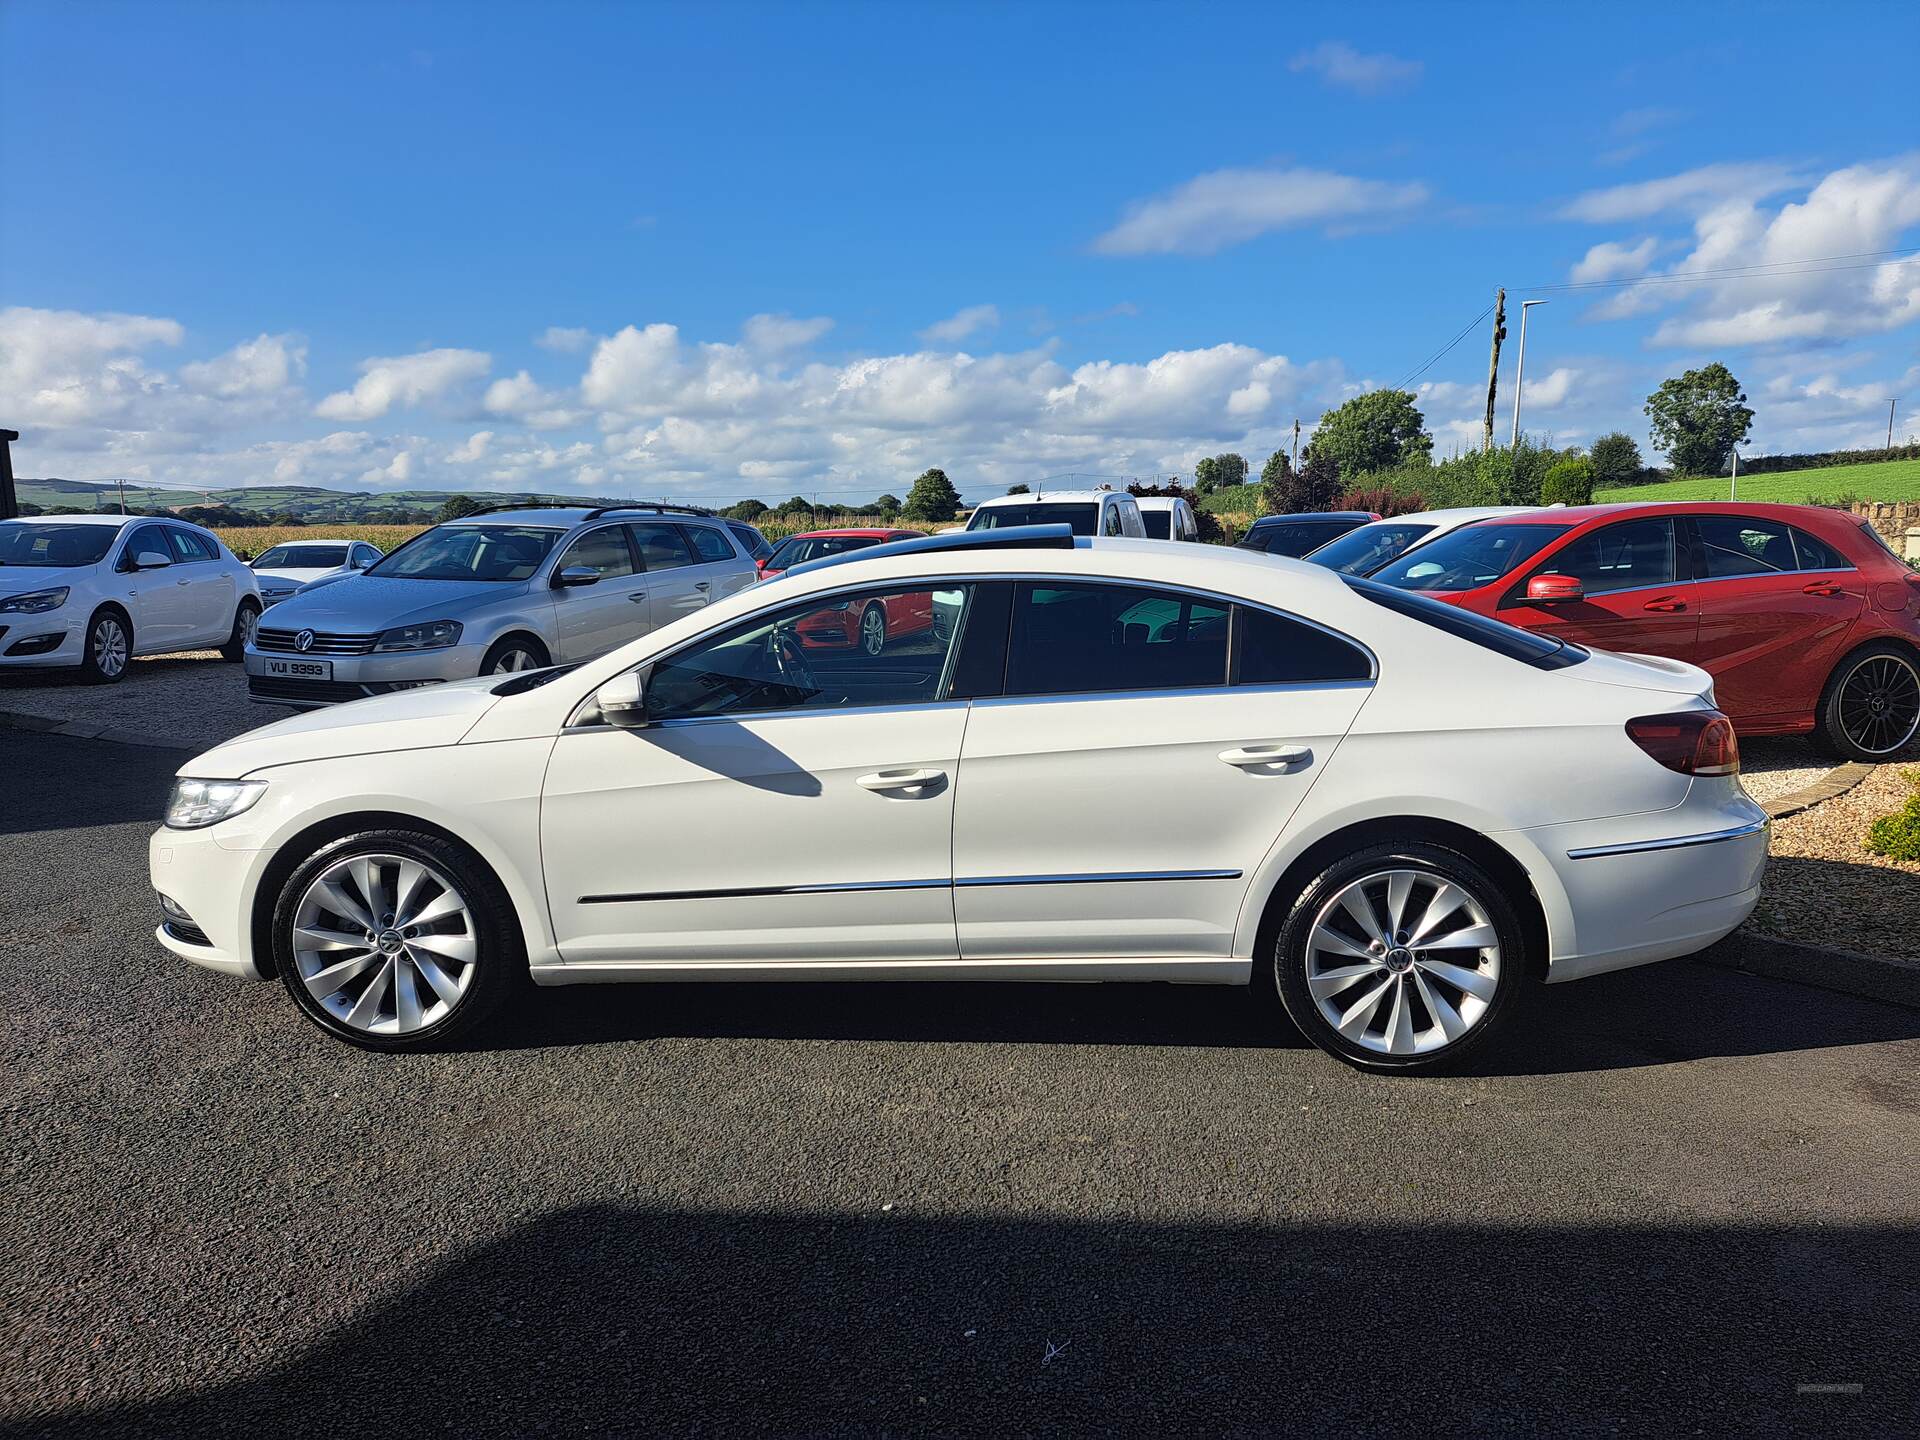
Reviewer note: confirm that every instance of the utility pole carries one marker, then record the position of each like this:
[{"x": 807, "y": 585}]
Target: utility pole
[
  {"x": 1493, "y": 365},
  {"x": 121, "y": 481},
  {"x": 1296, "y": 444},
  {"x": 1890, "y": 405},
  {"x": 1520, "y": 367}
]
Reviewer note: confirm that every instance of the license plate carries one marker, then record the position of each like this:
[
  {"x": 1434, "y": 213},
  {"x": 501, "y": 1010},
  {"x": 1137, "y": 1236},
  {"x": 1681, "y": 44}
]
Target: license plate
[{"x": 299, "y": 669}]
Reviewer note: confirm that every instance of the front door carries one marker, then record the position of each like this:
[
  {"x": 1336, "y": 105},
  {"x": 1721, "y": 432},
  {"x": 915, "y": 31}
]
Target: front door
[
  {"x": 787, "y": 801},
  {"x": 156, "y": 599},
  {"x": 1635, "y": 601},
  {"x": 1118, "y": 798},
  {"x": 590, "y": 620}
]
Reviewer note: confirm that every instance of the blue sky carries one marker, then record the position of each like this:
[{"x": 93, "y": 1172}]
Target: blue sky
[{"x": 731, "y": 249}]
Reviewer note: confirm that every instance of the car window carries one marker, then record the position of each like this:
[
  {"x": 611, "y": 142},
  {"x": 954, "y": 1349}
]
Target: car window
[
  {"x": 799, "y": 549},
  {"x": 1159, "y": 524},
  {"x": 1624, "y": 556},
  {"x": 1082, "y": 516},
  {"x": 813, "y": 656},
  {"x": 148, "y": 537},
  {"x": 1296, "y": 538},
  {"x": 498, "y": 553},
  {"x": 189, "y": 547},
  {"x": 1467, "y": 558},
  {"x": 1362, "y": 551},
  {"x": 1735, "y": 545},
  {"x": 50, "y": 545},
  {"x": 755, "y": 543},
  {"x": 1069, "y": 638},
  {"x": 1114, "y": 523},
  {"x": 604, "y": 551},
  {"x": 1817, "y": 554},
  {"x": 1543, "y": 652},
  {"x": 709, "y": 544},
  {"x": 302, "y": 557},
  {"x": 1275, "y": 650},
  {"x": 661, "y": 547}
]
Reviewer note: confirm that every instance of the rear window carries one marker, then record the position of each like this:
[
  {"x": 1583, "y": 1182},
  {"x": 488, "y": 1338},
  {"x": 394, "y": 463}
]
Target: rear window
[
  {"x": 1543, "y": 652},
  {"x": 1467, "y": 558},
  {"x": 1296, "y": 537},
  {"x": 1159, "y": 523},
  {"x": 1363, "y": 551},
  {"x": 1084, "y": 518}
]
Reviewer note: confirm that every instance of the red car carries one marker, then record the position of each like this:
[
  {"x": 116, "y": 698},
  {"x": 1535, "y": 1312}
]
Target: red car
[
  {"x": 1804, "y": 617},
  {"x": 867, "y": 624}
]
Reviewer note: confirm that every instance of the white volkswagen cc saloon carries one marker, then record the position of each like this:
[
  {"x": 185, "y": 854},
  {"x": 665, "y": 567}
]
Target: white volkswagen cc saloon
[{"x": 1125, "y": 760}]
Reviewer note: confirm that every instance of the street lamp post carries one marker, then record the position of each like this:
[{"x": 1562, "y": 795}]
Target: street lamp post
[{"x": 1520, "y": 369}]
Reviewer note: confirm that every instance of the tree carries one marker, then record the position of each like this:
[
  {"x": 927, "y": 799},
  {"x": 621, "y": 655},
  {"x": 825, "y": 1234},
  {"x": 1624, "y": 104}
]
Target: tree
[
  {"x": 1616, "y": 460},
  {"x": 794, "y": 505},
  {"x": 458, "y": 507},
  {"x": 887, "y": 507},
  {"x": 1699, "y": 418},
  {"x": 1018, "y": 490},
  {"x": 1217, "y": 472},
  {"x": 1279, "y": 485},
  {"x": 1375, "y": 431},
  {"x": 748, "y": 510},
  {"x": 1568, "y": 482},
  {"x": 1319, "y": 479},
  {"x": 932, "y": 497}
]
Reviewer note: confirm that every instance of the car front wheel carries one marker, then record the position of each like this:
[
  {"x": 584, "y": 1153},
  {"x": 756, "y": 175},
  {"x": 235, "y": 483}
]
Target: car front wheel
[
  {"x": 514, "y": 654},
  {"x": 1403, "y": 958},
  {"x": 396, "y": 940},
  {"x": 109, "y": 648}
]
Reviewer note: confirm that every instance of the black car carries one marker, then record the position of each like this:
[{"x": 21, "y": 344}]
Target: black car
[{"x": 1295, "y": 535}]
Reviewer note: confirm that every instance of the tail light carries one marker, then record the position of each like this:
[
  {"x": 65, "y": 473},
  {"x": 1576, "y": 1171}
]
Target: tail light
[{"x": 1694, "y": 742}]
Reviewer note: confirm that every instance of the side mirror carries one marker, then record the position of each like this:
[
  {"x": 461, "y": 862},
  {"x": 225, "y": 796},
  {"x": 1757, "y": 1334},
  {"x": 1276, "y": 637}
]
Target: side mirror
[
  {"x": 360, "y": 562},
  {"x": 574, "y": 576},
  {"x": 152, "y": 560},
  {"x": 1554, "y": 589},
  {"x": 622, "y": 701}
]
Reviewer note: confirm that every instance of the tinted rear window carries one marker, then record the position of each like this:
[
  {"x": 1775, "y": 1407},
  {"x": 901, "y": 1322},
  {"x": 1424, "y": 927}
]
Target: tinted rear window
[
  {"x": 1543, "y": 652},
  {"x": 1159, "y": 523},
  {"x": 1084, "y": 518},
  {"x": 1467, "y": 558},
  {"x": 1296, "y": 537}
]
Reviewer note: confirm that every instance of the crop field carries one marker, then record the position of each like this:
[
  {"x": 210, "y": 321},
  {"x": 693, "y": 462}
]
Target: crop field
[{"x": 1887, "y": 480}]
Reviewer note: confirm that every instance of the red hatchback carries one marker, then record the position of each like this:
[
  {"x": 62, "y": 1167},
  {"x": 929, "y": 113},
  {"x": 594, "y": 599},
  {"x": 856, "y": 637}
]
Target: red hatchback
[
  {"x": 1804, "y": 617},
  {"x": 870, "y": 625}
]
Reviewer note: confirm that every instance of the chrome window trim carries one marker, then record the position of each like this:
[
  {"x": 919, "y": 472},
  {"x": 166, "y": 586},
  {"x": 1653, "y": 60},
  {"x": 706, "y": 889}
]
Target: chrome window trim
[
  {"x": 1116, "y": 877},
  {"x": 963, "y": 882},
  {"x": 1793, "y": 533},
  {"x": 1675, "y": 842}
]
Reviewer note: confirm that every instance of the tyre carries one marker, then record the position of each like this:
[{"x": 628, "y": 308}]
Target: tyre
[
  {"x": 245, "y": 621},
  {"x": 873, "y": 628},
  {"x": 108, "y": 649},
  {"x": 1870, "y": 708},
  {"x": 396, "y": 940},
  {"x": 1402, "y": 958},
  {"x": 511, "y": 653}
]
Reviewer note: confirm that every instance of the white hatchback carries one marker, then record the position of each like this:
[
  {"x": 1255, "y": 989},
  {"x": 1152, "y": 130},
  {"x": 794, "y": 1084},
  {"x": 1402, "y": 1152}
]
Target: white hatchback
[
  {"x": 1126, "y": 760},
  {"x": 93, "y": 591}
]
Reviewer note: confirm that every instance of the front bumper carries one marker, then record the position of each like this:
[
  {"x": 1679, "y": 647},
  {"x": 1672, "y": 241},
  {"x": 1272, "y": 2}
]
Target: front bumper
[
  {"x": 41, "y": 640},
  {"x": 334, "y": 679},
  {"x": 209, "y": 885}
]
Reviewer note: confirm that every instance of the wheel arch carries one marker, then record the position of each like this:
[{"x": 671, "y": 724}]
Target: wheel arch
[
  {"x": 1884, "y": 638},
  {"x": 1498, "y": 861},
  {"x": 519, "y": 631}
]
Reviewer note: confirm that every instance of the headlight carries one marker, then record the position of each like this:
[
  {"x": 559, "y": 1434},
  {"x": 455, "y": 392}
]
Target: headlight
[
  {"x": 34, "y": 602},
  {"x": 197, "y": 803},
  {"x": 431, "y": 636}
]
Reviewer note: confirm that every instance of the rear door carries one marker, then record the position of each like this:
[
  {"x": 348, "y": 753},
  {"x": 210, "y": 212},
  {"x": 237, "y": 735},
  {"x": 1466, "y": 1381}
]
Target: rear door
[
  {"x": 208, "y": 597},
  {"x": 1119, "y": 793},
  {"x": 675, "y": 587},
  {"x": 1637, "y": 598},
  {"x": 592, "y": 619},
  {"x": 721, "y": 568},
  {"x": 1776, "y": 607}
]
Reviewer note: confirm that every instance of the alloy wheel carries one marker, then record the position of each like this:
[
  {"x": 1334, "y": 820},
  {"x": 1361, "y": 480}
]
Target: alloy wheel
[
  {"x": 873, "y": 630},
  {"x": 384, "y": 944},
  {"x": 1879, "y": 707},
  {"x": 514, "y": 660},
  {"x": 249, "y": 624},
  {"x": 109, "y": 642},
  {"x": 1403, "y": 962}
]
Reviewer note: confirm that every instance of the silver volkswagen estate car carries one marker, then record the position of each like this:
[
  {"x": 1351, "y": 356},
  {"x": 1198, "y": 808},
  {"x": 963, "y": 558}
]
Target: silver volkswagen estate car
[{"x": 512, "y": 589}]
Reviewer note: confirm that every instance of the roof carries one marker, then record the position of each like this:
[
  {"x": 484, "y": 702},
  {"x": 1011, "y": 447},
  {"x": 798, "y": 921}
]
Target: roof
[
  {"x": 568, "y": 516},
  {"x": 1582, "y": 514},
  {"x": 884, "y": 532},
  {"x": 1160, "y": 502},
  {"x": 1458, "y": 515},
  {"x": 1363, "y": 516},
  {"x": 1052, "y": 497},
  {"x": 100, "y": 519}
]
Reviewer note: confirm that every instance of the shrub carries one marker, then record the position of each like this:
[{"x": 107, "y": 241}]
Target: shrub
[
  {"x": 1379, "y": 499},
  {"x": 1569, "y": 482},
  {"x": 1897, "y": 836}
]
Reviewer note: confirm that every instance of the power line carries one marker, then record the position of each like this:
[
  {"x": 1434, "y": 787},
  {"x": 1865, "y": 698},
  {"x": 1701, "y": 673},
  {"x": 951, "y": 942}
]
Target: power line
[
  {"x": 1809, "y": 265},
  {"x": 1433, "y": 359}
]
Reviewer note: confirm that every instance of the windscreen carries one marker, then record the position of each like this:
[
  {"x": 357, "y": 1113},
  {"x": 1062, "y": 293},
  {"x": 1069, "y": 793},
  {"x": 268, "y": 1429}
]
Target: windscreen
[
  {"x": 1467, "y": 558},
  {"x": 799, "y": 549},
  {"x": 48, "y": 545},
  {"x": 470, "y": 552},
  {"x": 1363, "y": 551},
  {"x": 1084, "y": 518},
  {"x": 302, "y": 557}
]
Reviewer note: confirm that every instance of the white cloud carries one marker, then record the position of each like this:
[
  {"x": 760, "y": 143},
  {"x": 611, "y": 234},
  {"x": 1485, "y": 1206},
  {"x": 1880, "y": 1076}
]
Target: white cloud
[
  {"x": 774, "y": 334},
  {"x": 958, "y": 326},
  {"x": 404, "y": 380},
  {"x": 564, "y": 340},
  {"x": 264, "y": 365},
  {"x": 472, "y": 449},
  {"x": 1339, "y": 64},
  {"x": 1228, "y": 207},
  {"x": 1684, "y": 192},
  {"x": 521, "y": 397},
  {"x": 397, "y": 471},
  {"x": 1614, "y": 260},
  {"x": 1547, "y": 391}
]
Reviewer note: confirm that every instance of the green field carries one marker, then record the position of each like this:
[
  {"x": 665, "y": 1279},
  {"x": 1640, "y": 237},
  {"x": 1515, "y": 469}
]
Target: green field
[{"x": 1888, "y": 480}]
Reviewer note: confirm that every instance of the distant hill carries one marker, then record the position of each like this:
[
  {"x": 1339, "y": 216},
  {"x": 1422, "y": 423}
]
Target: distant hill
[{"x": 306, "y": 503}]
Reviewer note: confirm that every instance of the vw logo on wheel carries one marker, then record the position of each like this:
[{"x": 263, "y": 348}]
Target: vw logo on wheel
[{"x": 303, "y": 642}]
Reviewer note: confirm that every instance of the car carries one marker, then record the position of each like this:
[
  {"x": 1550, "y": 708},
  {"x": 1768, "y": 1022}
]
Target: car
[
  {"x": 93, "y": 591},
  {"x": 1363, "y": 550},
  {"x": 871, "y": 624},
  {"x": 1102, "y": 511},
  {"x": 293, "y": 564},
  {"x": 818, "y": 544},
  {"x": 512, "y": 589},
  {"x": 1168, "y": 517},
  {"x": 751, "y": 540},
  {"x": 1804, "y": 617},
  {"x": 1293, "y": 536},
  {"x": 1133, "y": 761}
]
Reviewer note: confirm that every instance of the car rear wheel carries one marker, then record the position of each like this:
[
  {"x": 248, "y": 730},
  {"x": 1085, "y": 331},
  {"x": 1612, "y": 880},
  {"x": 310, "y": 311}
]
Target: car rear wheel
[
  {"x": 1402, "y": 958},
  {"x": 108, "y": 649},
  {"x": 396, "y": 940},
  {"x": 873, "y": 629},
  {"x": 1870, "y": 708},
  {"x": 514, "y": 653},
  {"x": 246, "y": 620}
]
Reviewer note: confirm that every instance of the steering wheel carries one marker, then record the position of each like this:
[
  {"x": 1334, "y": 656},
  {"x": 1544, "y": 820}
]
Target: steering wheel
[{"x": 790, "y": 661}]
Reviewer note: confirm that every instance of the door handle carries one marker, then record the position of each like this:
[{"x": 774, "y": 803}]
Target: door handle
[
  {"x": 700, "y": 584},
  {"x": 883, "y": 780},
  {"x": 639, "y": 598},
  {"x": 1820, "y": 587},
  {"x": 1252, "y": 755},
  {"x": 1666, "y": 603},
  {"x": 183, "y": 582}
]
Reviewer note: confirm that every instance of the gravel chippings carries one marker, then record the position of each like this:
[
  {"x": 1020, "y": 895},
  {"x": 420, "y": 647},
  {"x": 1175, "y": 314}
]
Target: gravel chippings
[
  {"x": 193, "y": 699},
  {"x": 1824, "y": 887},
  {"x": 1778, "y": 765}
]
